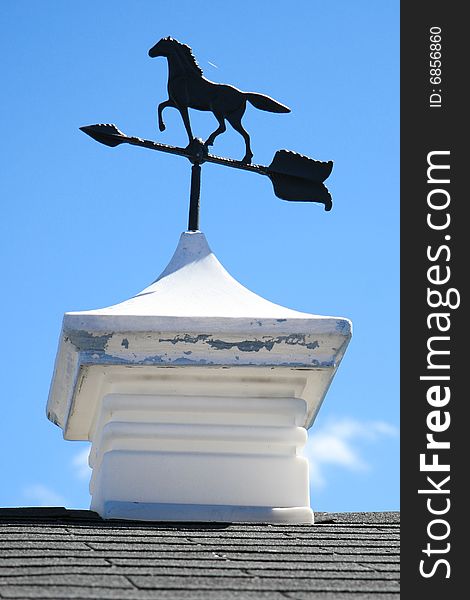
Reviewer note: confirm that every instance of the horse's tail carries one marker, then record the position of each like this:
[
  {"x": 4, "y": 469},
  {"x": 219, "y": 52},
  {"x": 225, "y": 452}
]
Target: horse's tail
[{"x": 266, "y": 103}]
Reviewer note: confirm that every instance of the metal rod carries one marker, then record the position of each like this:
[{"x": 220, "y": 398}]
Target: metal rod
[
  {"x": 220, "y": 160},
  {"x": 193, "y": 221},
  {"x": 110, "y": 135}
]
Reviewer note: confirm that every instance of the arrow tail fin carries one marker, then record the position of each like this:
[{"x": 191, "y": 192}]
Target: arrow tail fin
[
  {"x": 298, "y": 178},
  {"x": 298, "y": 165},
  {"x": 297, "y": 189}
]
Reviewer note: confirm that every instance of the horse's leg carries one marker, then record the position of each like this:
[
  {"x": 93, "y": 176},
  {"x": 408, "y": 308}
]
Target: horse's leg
[
  {"x": 220, "y": 129},
  {"x": 235, "y": 120},
  {"x": 185, "y": 116},
  {"x": 161, "y": 124}
]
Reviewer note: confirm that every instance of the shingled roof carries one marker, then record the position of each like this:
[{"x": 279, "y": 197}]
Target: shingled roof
[{"x": 60, "y": 553}]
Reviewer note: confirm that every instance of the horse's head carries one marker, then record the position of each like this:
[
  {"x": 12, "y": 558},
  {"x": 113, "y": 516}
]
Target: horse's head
[
  {"x": 171, "y": 48},
  {"x": 162, "y": 48}
]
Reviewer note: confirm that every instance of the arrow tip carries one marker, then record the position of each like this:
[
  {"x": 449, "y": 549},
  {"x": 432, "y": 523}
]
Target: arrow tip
[{"x": 105, "y": 133}]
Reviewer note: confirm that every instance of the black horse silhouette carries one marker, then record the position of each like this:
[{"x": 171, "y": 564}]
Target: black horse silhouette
[{"x": 187, "y": 88}]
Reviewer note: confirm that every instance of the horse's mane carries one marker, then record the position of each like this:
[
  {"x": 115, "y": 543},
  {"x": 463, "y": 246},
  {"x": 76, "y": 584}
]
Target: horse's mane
[{"x": 187, "y": 55}]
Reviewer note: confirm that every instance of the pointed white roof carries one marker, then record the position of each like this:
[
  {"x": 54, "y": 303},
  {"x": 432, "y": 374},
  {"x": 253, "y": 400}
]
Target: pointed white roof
[{"x": 195, "y": 284}]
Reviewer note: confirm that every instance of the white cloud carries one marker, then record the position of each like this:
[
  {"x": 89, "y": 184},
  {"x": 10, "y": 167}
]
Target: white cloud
[
  {"x": 80, "y": 464},
  {"x": 38, "y": 494},
  {"x": 335, "y": 444}
]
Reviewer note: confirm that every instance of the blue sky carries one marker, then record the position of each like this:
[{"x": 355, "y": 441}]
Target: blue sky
[{"x": 84, "y": 226}]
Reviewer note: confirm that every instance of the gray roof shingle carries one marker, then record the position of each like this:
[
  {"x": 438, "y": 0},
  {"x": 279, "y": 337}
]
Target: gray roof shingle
[{"x": 60, "y": 553}]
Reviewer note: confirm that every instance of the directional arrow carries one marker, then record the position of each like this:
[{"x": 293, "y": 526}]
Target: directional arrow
[{"x": 295, "y": 177}]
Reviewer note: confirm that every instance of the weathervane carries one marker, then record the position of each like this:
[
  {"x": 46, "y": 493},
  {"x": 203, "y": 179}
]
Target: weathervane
[{"x": 294, "y": 176}]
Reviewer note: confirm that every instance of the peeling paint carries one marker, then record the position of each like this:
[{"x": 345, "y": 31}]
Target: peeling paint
[
  {"x": 182, "y": 360},
  {"x": 84, "y": 340},
  {"x": 244, "y": 346},
  {"x": 312, "y": 345},
  {"x": 343, "y": 326},
  {"x": 266, "y": 343},
  {"x": 187, "y": 361},
  {"x": 92, "y": 358},
  {"x": 186, "y": 338},
  {"x": 165, "y": 361},
  {"x": 293, "y": 339},
  {"x": 296, "y": 365}
]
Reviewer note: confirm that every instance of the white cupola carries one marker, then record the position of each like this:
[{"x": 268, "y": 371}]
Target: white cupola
[{"x": 196, "y": 395}]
